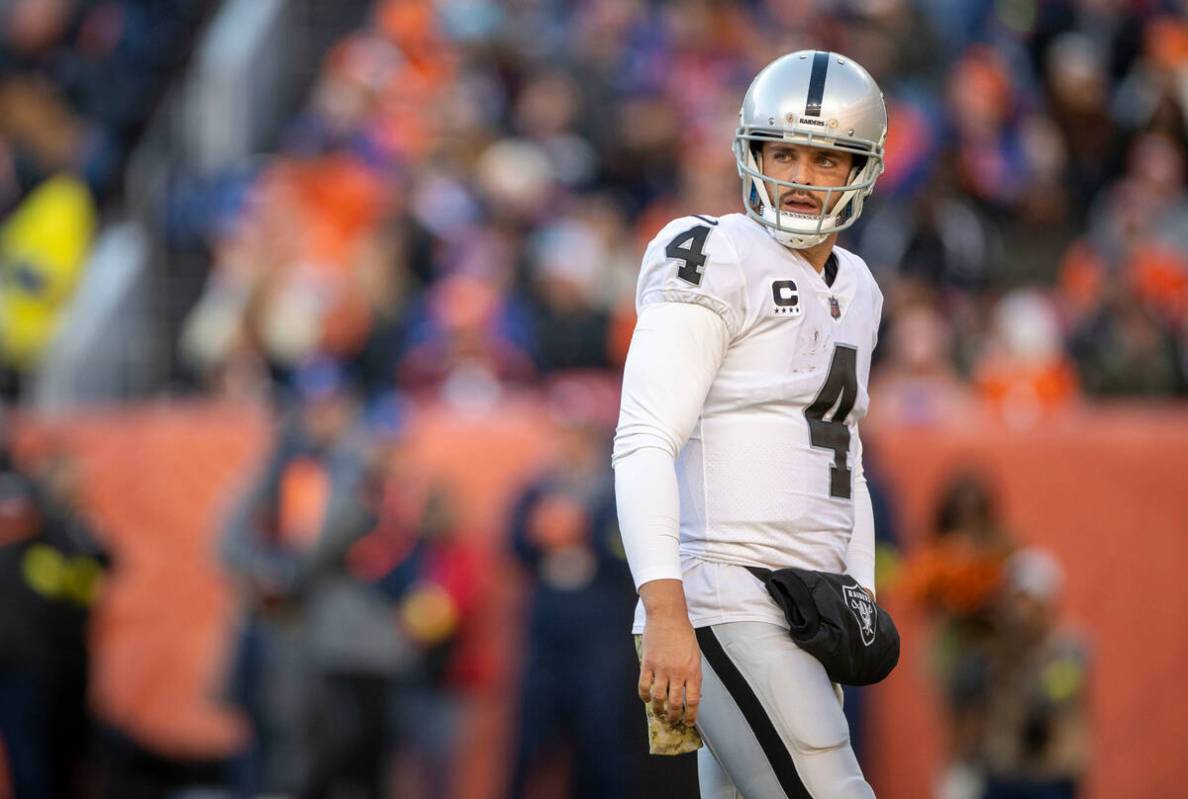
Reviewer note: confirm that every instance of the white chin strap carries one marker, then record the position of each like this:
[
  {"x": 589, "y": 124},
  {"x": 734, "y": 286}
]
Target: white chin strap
[{"x": 777, "y": 226}]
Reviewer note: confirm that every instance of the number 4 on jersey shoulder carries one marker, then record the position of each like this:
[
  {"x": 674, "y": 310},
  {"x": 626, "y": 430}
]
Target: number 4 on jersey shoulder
[{"x": 689, "y": 249}]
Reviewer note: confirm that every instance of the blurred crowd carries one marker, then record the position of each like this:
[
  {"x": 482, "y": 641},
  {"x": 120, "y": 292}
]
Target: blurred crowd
[
  {"x": 52, "y": 567},
  {"x": 78, "y": 82},
  {"x": 1014, "y": 677},
  {"x": 463, "y": 202},
  {"x": 457, "y": 215},
  {"x": 363, "y": 590},
  {"x": 357, "y": 585}
]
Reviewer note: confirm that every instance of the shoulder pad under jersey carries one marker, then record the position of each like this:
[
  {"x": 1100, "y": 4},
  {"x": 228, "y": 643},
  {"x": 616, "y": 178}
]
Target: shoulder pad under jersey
[{"x": 693, "y": 260}]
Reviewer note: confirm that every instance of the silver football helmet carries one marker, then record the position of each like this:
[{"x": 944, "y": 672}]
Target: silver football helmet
[{"x": 817, "y": 99}]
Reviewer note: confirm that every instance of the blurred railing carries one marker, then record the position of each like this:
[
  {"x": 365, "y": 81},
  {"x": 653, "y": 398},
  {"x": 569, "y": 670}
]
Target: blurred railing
[
  {"x": 251, "y": 70},
  {"x": 230, "y": 102},
  {"x": 96, "y": 354}
]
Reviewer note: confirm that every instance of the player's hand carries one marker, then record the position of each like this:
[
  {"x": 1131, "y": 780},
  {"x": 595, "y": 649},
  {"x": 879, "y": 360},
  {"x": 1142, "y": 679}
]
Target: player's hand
[{"x": 670, "y": 663}]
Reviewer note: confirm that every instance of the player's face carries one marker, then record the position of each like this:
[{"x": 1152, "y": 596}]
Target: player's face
[{"x": 814, "y": 166}]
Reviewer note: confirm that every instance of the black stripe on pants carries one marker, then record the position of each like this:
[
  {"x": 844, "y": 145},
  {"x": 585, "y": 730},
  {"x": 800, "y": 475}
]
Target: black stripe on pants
[{"x": 757, "y": 718}]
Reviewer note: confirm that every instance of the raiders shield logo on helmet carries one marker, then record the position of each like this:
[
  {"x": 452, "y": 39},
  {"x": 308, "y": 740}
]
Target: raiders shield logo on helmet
[{"x": 864, "y": 611}]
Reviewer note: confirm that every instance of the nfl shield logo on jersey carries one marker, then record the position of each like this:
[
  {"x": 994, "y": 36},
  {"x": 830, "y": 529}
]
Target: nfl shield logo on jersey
[
  {"x": 863, "y": 609},
  {"x": 834, "y": 308}
]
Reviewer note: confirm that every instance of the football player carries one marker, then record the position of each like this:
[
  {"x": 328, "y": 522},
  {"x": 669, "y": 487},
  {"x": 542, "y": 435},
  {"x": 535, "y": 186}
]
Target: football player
[{"x": 737, "y": 442}]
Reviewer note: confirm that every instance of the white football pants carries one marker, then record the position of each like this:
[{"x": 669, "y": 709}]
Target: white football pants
[{"x": 771, "y": 720}]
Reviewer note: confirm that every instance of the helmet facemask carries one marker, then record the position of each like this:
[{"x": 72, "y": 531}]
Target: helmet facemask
[{"x": 796, "y": 230}]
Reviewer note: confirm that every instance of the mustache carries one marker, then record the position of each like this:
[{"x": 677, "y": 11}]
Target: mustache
[{"x": 787, "y": 198}]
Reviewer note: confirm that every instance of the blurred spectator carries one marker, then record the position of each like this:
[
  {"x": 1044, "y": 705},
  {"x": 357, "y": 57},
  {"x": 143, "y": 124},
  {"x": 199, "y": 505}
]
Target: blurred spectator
[
  {"x": 78, "y": 80},
  {"x": 1036, "y": 740},
  {"x": 572, "y": 327},
  {"x": 1125, "y": 286},
  {"x": 991, "y": 162},
  {"x": 1024, "y": 373},
  {"x": 938, "y": 237},
  {"x": 276, "y": 536},
  {"x": 355, "y": 651},
  {"x": 361, "y": 589},
  {"x": 1014, "y": 679},
  {"x": 1077, "y": 83},
  {"x": 547, "y": 109},
  {"x": 466, "y": 352},
  {"x": 956, "y": 576},
  {"x": 918, "y": 383},
  {"x": 1150, "y": 94},
  {"x": 564, "y": 531},
  {"x": 51, "y": 572},
  {"x": 960, "y": 568},
  {"x": 1123, "y": 350},
  {"x": 409, "y": 548},
  {"x": 384, "y": 263},
  {"x": 294, "y": 275},
  {"x": 1147, "y": 206},
  {"x": 43, "y": 245},
  {"x": 439, "y": 588}
]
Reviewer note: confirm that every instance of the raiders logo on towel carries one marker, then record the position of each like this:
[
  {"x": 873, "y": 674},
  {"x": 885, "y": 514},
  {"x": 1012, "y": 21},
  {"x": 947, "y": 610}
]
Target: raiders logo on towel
[
  {"x": 864, "y": 611},
  {"x": 857, "y": 644}
]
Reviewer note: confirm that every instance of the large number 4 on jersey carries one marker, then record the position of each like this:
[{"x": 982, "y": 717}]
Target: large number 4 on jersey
[
  {"x": 835, "y": 400},
  {"x": 690, "y": 248}
]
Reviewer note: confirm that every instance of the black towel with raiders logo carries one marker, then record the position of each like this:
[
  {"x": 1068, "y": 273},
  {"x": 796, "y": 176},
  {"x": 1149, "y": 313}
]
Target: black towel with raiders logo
[{"x": 836, "y": 622}]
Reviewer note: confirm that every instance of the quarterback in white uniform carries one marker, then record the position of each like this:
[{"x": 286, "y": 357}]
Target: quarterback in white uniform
[{"x": 737, "y": 442}]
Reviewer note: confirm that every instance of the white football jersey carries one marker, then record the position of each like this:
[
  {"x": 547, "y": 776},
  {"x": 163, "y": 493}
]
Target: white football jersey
[{"x": 767, "y": 476}]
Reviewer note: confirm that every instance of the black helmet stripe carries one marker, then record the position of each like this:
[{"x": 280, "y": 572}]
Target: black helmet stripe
[{"x": 816, "y": 89}]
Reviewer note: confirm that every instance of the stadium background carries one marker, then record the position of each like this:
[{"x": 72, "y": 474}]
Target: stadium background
[{"x": 214, "y": 212}]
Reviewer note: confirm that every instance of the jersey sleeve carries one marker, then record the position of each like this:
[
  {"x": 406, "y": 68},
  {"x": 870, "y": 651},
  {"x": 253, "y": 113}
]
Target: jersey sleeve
[
  {"x": 860, "y": 552},
  {"x": 675, "y": 353},
  {"x": 693, "y": 260},
  {"x": 878, "y": 314}
]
